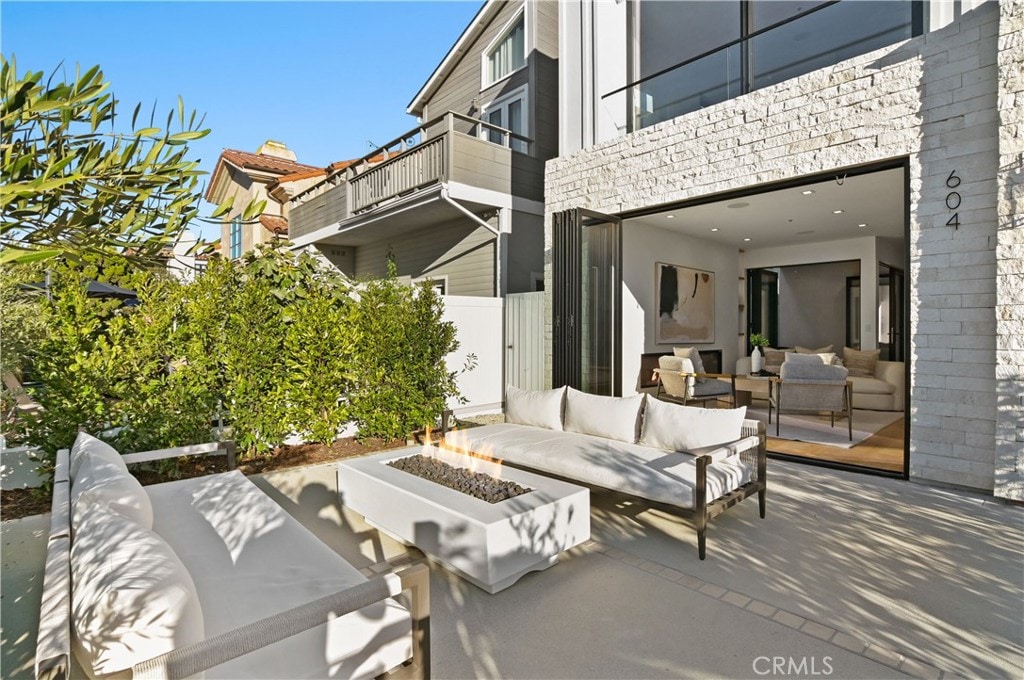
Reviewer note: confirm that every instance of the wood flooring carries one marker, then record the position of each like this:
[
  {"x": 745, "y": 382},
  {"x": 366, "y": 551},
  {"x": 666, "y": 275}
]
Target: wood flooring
[{"x": 881, "y": 451}]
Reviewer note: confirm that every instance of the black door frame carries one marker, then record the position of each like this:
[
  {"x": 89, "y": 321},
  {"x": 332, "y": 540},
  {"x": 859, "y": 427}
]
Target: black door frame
[{"x": 567, "y": 298}]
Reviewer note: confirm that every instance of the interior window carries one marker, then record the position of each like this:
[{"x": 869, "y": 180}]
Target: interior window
[{"x": 509, "y": 54}]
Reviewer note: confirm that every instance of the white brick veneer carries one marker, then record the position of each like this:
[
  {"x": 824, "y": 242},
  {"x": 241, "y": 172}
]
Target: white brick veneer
[
  {"x": 1009, "y": 437},
  {"x": 932, "y": 99}
]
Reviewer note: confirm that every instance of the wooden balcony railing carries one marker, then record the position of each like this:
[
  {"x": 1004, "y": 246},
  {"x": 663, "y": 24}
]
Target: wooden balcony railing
[{"x": 452, "y": 147}]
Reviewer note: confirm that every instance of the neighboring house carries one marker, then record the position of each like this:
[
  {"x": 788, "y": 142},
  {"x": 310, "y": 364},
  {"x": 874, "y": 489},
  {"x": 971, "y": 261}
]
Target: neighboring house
[
  {"x": 271, "y": 174},
  {"x": 747, "y": 144},
  {"x": 458, "y": 200}
]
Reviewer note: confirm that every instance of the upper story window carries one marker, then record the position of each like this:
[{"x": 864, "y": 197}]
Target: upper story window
[
  {"x": 236, "y": 238},
  {"x": 689, "y": 54},
  {"x": 507, "y": 54}
]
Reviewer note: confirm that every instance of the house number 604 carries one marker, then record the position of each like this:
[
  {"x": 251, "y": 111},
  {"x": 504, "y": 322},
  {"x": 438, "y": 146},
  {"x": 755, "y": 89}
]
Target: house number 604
[{"x": 953, "y": 200}]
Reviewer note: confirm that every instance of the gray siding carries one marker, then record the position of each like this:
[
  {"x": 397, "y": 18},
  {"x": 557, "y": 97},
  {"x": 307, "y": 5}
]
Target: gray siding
[
  {"x": 319, "y": 211},
  {"x": 462, "y": 86},
  {"x": 460, "y": 250}
]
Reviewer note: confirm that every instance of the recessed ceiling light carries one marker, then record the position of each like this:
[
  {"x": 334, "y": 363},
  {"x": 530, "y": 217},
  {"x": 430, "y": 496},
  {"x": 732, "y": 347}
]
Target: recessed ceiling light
[
  {"x": 669, "y": 217},
  {"x": 746, "y": 239},
  {"x": 807, "y": 192},
  {"x": 714, "y": 228},
  {"x": 862, "y": 225},
  {"x": 741, "y": 204},
  {"x": 805, "y": 232},
  {"x": 837, "y": 212}
]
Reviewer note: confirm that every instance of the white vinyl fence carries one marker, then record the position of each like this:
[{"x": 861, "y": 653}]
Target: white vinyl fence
[{"x": 478, "y": 322}]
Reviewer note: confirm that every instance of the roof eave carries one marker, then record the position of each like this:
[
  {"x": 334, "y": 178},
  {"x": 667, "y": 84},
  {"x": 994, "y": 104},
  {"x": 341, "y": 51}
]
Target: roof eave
[{"x": 454, "y": 55}]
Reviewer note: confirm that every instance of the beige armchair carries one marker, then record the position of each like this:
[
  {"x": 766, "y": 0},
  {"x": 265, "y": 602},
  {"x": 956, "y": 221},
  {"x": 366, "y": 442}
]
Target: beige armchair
[
  {"x": 678, "y": 382},
  {"x": 811, "y": 387}
]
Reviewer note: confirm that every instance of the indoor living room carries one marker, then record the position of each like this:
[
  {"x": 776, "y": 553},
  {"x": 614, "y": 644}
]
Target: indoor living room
[{"x": 799, "y": 254}]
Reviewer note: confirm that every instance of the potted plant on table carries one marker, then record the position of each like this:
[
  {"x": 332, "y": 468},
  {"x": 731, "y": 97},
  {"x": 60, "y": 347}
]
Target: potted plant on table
[{"x": 756, "y": 359}]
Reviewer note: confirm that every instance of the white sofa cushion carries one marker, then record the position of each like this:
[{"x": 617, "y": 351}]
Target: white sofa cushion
[
  {"x": 132, "y": 598},
  {"x": 86, "y": 446},
  {"x": 657, "y": 475},
  {"x": 102, "y": 478},
  {"x": 540, "y": 408},
  {"x": 122, "y": 494},
  {"x": 250, "y": 559},
  {"x": 673, "y": 427},
  {"x": 611, "y": 417}
]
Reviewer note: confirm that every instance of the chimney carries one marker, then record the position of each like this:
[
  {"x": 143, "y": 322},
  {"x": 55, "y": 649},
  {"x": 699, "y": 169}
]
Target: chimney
[{"x": 276, "y": 149}]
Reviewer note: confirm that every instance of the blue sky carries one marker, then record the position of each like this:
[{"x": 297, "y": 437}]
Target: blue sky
[{"x": 326, "y": 78}]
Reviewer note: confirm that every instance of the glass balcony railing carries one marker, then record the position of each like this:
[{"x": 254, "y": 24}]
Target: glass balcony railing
[{"x": 817, "y": 38}]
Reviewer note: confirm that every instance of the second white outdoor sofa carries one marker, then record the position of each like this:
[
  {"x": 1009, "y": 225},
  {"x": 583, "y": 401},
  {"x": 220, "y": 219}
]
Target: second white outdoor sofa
[
  {"x": 691, "y": 461},
  {"x": 208, "y": 575}
]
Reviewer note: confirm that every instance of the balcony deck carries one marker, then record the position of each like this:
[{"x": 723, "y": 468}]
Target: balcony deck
[
  {"x": 877, "y": 577},
  {"x": 450, "y": 150}
]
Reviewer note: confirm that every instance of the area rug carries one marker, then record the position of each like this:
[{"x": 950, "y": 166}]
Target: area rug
[{"x": 815, "y": 429}]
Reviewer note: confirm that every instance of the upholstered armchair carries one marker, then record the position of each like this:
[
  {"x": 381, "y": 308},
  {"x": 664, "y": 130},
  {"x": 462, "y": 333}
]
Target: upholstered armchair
[
  {"x": 811, "y": 387},
  {"x": 678, "y": 382}
]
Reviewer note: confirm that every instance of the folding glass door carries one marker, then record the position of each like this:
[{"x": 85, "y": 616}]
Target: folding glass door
[{"x": 586, "y": 305}]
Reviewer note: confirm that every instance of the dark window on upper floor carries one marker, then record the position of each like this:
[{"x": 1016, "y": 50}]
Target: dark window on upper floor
[
  {"x": 236, "y": 238},
  {"x": 688, "y": 54}
]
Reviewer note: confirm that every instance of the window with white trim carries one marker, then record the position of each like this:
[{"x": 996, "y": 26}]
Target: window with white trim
[
  {"x": 509, "y": 112},
  {"x": 507, "y": 54}
]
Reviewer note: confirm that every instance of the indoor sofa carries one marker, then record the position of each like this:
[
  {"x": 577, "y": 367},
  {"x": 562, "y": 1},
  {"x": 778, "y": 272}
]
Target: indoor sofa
[
  {"x": 691, "y": 461},
  {"x": 208, "y": 575},
  {"x": 882, "y": 392}
]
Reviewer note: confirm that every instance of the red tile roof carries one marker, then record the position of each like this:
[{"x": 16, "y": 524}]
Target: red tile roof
[
  {"x": 274, "y": 224},
  {"x": 259, "y": 161}
]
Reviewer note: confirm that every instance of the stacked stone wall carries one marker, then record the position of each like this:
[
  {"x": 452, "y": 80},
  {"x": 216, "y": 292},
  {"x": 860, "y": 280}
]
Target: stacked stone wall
[
  {"x": 1009, "y": 473},
  {"x": 931, "y": 100}
]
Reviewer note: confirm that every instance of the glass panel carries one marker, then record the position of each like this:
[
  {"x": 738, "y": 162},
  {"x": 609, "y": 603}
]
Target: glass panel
[
  {"x": 826, "y": 37},
  {"x": 673, "y": 31},
  {"x": 516, "y": 123},
  {"x": 704, "y": 82},
  {"x": 765, "y": 14},
  {"x": 598, "y": 279},
  {"x": 509, "y": 54},
  {"x": 495, "y": 118}
]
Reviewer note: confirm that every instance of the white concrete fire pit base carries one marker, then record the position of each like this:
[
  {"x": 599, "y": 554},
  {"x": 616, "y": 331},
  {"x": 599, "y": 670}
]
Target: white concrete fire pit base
[{"x": 491, "y": 545}]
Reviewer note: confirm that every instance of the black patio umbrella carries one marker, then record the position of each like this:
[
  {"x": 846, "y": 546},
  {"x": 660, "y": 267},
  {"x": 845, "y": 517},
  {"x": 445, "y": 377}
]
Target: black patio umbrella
[{"x": 96, "y": 289}]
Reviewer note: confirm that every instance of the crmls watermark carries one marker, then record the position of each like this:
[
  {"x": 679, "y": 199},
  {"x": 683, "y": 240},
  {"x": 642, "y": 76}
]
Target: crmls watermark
[{"x": 788, "y": 665}]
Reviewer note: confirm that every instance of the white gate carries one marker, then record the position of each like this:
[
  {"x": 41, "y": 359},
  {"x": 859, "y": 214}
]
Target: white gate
[{"x": 524, "y": 340}]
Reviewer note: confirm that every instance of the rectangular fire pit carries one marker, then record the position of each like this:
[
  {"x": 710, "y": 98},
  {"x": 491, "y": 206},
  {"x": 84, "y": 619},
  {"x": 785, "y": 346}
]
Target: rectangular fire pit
[{"x": 491, "y": 545}]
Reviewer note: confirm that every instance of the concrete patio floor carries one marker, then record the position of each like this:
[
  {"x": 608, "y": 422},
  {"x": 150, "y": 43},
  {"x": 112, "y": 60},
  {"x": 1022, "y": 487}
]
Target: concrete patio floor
[{"x": 850, "y": 576}]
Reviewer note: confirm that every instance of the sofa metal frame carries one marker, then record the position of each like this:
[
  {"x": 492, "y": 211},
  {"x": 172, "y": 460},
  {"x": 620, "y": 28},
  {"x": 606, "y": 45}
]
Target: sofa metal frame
[
  {"x": 703, "y": 511},
  {"x": 53, "y": 643}
]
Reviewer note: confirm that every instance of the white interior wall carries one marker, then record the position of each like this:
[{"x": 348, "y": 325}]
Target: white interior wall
[
  {"x": 642, "y": 247},
  {"x": 863, "y": 249},
  {"x": 812, "y": 304}
]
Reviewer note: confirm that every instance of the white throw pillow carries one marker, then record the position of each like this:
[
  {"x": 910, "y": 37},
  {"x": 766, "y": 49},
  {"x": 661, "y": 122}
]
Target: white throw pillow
[
  {"x": 683, "y": 428},
  {"x": 85, "y": 446},
  {"x": 540, "y": 408},
  {"x": 608, "y": 417},
  {"x": 815, "y": 359},
  {"x": 132, "y": 599},
  {"x": 95, "y": 469},
  {"x": 122, "y": 494},
  {"x": 693, "y": 354}
]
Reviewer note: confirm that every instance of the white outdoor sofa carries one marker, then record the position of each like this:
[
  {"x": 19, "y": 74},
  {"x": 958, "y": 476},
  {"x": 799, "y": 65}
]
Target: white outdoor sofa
[
  {"x": 693, "y": 462},
  {"x": 209, "y": 576}
]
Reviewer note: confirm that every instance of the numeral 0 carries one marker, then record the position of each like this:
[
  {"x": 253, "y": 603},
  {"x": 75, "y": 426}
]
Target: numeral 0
[{"x": 953, "y": 199}]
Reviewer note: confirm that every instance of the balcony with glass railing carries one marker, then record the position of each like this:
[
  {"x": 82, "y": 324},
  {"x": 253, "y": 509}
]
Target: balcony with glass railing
[
  {"x": 452, "y": 148},
  {"x": 817, "y": 38}
]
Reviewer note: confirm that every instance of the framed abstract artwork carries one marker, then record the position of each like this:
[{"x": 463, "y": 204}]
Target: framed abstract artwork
[{"x": 686, "y": 304}]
